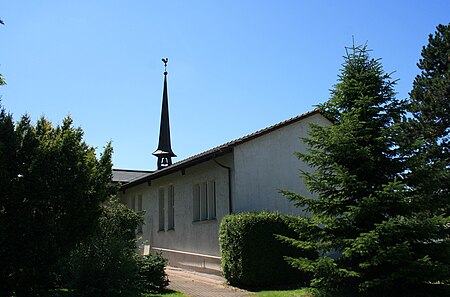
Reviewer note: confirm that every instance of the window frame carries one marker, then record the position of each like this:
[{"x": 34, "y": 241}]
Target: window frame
[
  {"x": 171, "y": 207},
  {"x": 204, "y": 206}
]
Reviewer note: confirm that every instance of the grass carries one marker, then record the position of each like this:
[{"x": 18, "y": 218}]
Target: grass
[
  {"x": 59, "y": 293},
  {"x": 166, "y": 293},
  {"x": 306, "y": 292},
  {"x": 273, "y": 293}
]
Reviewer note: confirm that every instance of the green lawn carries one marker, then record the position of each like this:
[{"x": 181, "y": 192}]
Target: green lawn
[
  {"x": 274, "y": 293},
  {"x": 286, "y": 293},
  {"x": 170, "y": 293},
  {"x": 166, "y": 293}
]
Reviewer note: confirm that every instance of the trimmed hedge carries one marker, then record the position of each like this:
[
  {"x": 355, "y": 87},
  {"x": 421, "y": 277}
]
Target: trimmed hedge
[{"x": 253, "y": 256}]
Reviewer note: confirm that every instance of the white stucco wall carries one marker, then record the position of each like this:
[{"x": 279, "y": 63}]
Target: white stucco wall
[
  {"x": 268, "y": 163},
  {"x": 187, "y": 236},
  {"x": 259, "y": 168}
]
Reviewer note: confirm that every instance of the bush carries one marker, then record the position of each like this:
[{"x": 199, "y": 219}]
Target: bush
[
  {"x": 253, "y": 256},
  {"x": 152, "y": 274},
  {"x": 106, "y": 264},
  {"x": 102, "y": 268}
]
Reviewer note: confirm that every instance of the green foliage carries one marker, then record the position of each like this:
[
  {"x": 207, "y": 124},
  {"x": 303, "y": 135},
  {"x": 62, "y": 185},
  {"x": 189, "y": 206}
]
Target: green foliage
[
  {"x": 252, "y": 255},
  {"x": 427, "y": 137},
  {"x": 368, "y": 223},
  {"x": 106, "y": 264},
  {"x": 2, "y": 79},
  {"x": 52, "y": 187},
  {"x": 152, "y": 275},
  {"x": 165, "y": 293},
  {"x": 307, "y": 292}
]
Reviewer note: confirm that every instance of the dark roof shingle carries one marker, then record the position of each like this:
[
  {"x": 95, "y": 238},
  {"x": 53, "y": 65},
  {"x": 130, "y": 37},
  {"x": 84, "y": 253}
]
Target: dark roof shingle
[{"x": 127, "y": 175}]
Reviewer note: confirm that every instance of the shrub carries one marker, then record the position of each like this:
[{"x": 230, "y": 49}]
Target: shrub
[
  {"x": 106, "y": 264},
  {"x": 252, "y": 254},
  {"x": 102, "y": 268},
  {"x": 152, "y": 274}
]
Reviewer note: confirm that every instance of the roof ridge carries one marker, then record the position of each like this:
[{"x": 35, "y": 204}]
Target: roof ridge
[
  {"x": 218, "y": 150},
  {"x": 132, "y": 170}
]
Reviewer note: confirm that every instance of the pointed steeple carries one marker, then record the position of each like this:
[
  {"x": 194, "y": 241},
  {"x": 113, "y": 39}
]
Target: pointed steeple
[{"x": 164, "y": 151}]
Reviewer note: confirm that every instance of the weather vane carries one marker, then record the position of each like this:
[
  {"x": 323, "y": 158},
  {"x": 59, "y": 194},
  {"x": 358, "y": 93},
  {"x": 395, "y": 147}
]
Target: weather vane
[{"x": 165, "y": 60}]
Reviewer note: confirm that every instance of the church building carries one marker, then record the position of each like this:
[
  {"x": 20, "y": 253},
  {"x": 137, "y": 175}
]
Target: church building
[{"x": 185, "y": 201}]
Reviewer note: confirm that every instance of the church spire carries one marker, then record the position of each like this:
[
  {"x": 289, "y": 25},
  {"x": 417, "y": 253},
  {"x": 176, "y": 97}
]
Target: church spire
[{"x": 164, "y": 151}]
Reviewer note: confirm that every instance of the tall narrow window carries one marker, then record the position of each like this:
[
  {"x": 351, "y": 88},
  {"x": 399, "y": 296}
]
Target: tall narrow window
[
  {"x": 211, "y": 203},
  {"x": 196, "y": 203},
  {"x": 139, "y": 209},
  {"x": 204, "y": 201},
  {"x": 161, "y": 209},
  {"x": 170, "y": 208},
  {"x": 133, "y": 203},
  {"x": 139, "y": 203}
]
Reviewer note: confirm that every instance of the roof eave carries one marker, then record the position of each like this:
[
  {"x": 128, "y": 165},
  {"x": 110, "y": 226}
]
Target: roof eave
[{"x": 177, "y": 167}]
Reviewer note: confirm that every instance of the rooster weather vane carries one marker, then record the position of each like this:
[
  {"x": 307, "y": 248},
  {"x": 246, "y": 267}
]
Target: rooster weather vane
[{"x": 165, "y": 61}]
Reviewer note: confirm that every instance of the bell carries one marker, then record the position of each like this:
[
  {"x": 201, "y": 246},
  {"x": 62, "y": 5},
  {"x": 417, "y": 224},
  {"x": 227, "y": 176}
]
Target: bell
[{"x": 164, "y": 161}]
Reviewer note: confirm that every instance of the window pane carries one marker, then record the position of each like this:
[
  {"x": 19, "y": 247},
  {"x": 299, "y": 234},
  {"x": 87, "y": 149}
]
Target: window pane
[
  {"x": 170, "y": 208},
  {"x": 211, "y": 200},
  {"x": 203, "y": 202},
  {"x": 161, "y": 209},
  {"x": 139, "y": 208},
  {"x": 196, "y": 203}
]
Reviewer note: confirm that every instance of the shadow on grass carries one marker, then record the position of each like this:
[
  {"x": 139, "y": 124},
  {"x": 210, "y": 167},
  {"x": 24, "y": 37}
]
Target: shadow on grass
[
  {"x": 68, "y": 293},
  {"x": 59, "y": 293}
]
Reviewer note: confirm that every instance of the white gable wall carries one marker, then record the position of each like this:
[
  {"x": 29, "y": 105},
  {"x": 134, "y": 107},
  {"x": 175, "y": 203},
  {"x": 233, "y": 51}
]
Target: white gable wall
[{"x": 267, "y": 164}]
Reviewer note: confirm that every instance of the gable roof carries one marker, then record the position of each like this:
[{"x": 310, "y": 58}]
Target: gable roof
[{"x": 214, "y": 152}]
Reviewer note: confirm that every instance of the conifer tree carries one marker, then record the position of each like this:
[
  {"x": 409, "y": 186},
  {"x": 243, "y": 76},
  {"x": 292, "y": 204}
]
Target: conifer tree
[
  {"x": 2, "y": 80},
  {"x": 428, "y": 132},
  {"x": 370, "y": 241}
]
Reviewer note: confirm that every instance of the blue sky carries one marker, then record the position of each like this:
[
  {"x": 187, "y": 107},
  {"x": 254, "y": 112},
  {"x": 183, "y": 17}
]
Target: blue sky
[{"x": 234, "y": 66}]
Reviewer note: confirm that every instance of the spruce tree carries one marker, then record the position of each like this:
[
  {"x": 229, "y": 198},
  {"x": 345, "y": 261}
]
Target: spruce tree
[
  {"x": 369, "y": 239},
  {"x": 427, "y": 140},
  {"x": 2, "y": 80},
  {"x": 425, "y": 143}
]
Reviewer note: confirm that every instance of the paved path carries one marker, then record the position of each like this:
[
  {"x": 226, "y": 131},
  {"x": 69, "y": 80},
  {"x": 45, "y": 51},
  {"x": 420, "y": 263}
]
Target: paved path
[{"x": 201, "y": 285}]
